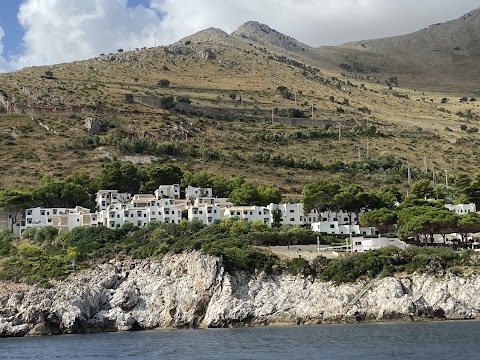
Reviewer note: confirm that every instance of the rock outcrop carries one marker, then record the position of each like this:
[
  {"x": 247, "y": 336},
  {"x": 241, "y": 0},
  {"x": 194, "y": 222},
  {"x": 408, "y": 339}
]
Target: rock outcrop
[{"x": 194, "y": 290}]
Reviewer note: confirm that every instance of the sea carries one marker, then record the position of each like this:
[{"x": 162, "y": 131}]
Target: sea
[{"x": 423, "y": 340}]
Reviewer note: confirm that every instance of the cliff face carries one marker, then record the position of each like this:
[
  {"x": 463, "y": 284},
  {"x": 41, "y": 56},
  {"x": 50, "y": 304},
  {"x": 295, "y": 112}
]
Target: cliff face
[{"x": 193, "y": 290}]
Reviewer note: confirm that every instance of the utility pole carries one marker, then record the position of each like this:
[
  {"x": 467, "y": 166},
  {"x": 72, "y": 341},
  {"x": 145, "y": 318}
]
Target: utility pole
[
  {"x": 241, "y": 98},
  {"x": 312, "y": 112},
  {"x": 339, "y": 132},
  {"x": 359, "y": 155},
  {"x": 425, "y": 164},
  {"x": 446, "y": 178},
  {"x": 272, "y": 114},
  {"x": 295, "y": 98},
  {"x": 409, "y": 174},
  {"x": 433, "y": 175},
  {"x": 368, "y": 155}
]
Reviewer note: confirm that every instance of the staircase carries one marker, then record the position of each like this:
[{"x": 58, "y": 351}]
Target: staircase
[{"x": 359, "y": 295}]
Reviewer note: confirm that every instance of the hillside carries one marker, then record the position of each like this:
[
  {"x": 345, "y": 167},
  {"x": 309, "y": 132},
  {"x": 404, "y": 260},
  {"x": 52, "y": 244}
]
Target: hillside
[
  {"x": 247, "y": 75},
  {"x": 444, "y": 55}
]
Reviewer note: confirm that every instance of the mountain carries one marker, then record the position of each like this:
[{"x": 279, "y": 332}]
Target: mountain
[
  {"x": 261, "y": 34},
  {"x": 224, "y": 88},
  {"x": 444, "y": 54}
]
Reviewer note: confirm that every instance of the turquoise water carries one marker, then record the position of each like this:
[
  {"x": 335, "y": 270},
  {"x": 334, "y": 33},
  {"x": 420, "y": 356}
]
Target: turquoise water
[{"x": 429, "y": 340}]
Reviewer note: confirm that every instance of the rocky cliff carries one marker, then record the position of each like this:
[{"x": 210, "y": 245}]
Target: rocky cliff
[{"x": 194, "y": 290}]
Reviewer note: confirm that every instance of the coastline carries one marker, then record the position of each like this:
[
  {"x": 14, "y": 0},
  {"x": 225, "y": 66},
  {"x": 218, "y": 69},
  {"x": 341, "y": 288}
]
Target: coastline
[{"x": 193, "y": 290}]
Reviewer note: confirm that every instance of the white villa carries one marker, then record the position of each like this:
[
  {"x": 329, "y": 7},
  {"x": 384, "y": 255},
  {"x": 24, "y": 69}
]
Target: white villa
[
  {"x": 361, "y": 244},
  {"x": 61, "y": 218},
  {"x": 335, "y": 228},
  {"x": 196, "y": 192},
  {"x": 114, "y": 209},
  {"x": 105, "y": 198}
]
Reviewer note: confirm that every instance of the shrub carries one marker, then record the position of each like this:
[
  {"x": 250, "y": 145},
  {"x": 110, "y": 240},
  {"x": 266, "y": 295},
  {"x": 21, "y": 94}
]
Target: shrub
[
  {"x": 129, "y": 98},
  {"x": 164, "y": 83},
  {"x": 184, "y": 99}
]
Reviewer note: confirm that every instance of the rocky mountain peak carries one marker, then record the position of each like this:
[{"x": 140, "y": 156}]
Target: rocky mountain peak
[
  {"x": 209, "y": 35},
  {"x": 261, "y": 34}
]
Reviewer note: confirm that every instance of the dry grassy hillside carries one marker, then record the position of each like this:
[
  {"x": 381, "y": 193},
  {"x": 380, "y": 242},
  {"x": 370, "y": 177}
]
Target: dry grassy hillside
[{"x": 42, "y": 128}]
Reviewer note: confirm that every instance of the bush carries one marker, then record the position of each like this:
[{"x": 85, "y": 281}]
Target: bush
[
  {"x": 163, "y": 83},
  {"x": 184, "y": 99}
]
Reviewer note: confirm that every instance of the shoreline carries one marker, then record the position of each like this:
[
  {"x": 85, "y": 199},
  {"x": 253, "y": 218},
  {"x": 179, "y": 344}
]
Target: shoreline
[{"x": 194, "y": 291}]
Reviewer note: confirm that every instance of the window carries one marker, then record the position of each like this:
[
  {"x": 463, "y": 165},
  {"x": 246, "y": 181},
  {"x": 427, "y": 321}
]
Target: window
[
  {"x": 292, "y": 219},
  {"x": 292, "y": 211},
  {"x": 332, "y": 226},
  {"x": 42, "y": 212},
  {"x": 78, "y": 220},
  {"x": 358, "y": 243},
  {"x": 345, "y": 219},
  {"x": 335, "y": 219},
  {"x": 54, "y": 211}
]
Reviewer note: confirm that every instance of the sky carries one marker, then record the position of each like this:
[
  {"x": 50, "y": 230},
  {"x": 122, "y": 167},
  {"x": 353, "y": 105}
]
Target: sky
[{"x": 44, "y": 32}]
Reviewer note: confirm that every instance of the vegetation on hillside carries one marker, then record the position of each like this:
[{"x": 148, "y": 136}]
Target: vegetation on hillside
[{"x": 44, "y": 258}]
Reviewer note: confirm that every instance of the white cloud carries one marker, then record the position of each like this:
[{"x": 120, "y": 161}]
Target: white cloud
[
  {"x": 4, "y": 66},
  {"x": 315, "y": 22},
  {"x": 67, "y": 30}
]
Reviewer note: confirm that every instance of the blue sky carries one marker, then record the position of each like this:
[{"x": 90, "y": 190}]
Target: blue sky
[
  {"x": 12, "y": 41},
  {"x": 43, "y": 32}
]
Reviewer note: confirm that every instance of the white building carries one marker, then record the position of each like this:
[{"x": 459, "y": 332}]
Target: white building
[
  {"x": 11, "y": 220},
  {"x": 61, "y": 218},
  {"x": 205, "y": 210},
  {"x": 335, "y": 228},
  {"x": 292, "y": 214},
  {"x": 168, "y": 191},
  {"x": 462, "y": 209},
  {"x": 140, "y": 212},
  {"x": 105, "y": 198},
  {"x": 196, "y": 192},
  {"x": 249, "y": 213},
  {"x": 361, "y": 244}
]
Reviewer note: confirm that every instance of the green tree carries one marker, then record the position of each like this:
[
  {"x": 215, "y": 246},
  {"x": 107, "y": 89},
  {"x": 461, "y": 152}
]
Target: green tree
[
  {"x": 383, "y": 219},
  {"x": 353, "y": 199},
  {"x": 468, "y": 223},
  {"x": 246, "y": 194},
  {"x": 388, "y": 196},
  {"x": 14, "y": 202},
  {"x": 425, "y": 221},
  {"x": 268, "y": 194},
  {"x": 319, "y": 195},
  {"x": 422, "y": 189}
]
